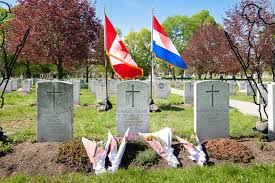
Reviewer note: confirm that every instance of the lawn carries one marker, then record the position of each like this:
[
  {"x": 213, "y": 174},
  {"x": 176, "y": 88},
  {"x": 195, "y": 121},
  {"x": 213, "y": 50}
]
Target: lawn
[
  {"x": 223, "y": 173},
  {"x": 242, "y": 97},
  {"x": 19, "y": 115}
]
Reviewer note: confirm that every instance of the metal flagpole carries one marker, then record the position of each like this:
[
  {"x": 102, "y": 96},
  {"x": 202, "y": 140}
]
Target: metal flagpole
[
  {"x": 107, "y": 104},
  {"x": 153, "y": 107},
  {"x": 152, "y": 60}
]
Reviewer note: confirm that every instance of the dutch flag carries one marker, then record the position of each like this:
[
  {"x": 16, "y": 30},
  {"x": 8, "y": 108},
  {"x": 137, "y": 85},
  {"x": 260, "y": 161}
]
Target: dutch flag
[{"x": 163, "y": 47}]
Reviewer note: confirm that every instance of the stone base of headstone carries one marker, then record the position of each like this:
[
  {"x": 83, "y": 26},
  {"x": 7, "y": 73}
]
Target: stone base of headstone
[{"x": 154, "y": 107}]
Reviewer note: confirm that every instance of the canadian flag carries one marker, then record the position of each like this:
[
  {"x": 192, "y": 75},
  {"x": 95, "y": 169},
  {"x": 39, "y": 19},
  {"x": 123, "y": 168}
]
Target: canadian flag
[{"x": 120, "y": 59}]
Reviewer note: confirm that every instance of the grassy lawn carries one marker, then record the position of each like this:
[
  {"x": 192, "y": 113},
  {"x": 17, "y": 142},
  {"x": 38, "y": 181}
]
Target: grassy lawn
[
  {"x": 242, "y": 97},
  {"x": 19, "y": 115},
  {"x": 225, "y": 173}
]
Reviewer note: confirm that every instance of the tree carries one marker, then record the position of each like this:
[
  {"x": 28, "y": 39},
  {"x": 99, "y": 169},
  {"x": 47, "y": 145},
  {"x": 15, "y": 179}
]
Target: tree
[
  {"x": 181, "y": 28},
  {"x": 139, "y": 46},
  {"x": 60, "y": 35},
  {"x": 255, "y": 41},
  {"x": 209, "y": 52}
]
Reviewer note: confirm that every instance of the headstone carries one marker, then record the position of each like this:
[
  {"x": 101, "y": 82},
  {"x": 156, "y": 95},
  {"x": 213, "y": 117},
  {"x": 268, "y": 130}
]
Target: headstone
[
  {"x": 264, "y": 94},
  {"x": 112, "y": 86},
  {"x": 271, "y": 111},
  {"x": 76, "y": 91},
  {"x": 132, "y": 108},
  {"x": 241, "y": 85},
  {"x": 189, "y": 92},
  {"x": 54, "y": 111},
  {"x": 162, "y": 89},
  {"x": 178, "y": 84},
  {"x": 100, "y": 90},
  {"x": 211, "y": 106},
  {"x": 232, "y": 88},
  {"x": 8, "y": 87},
  {"x": 82, "y": 83},
  {"x": 26, "y": 86},
  {"x": 91, "y": 85},
  {"x": 249, "y": 90},
  {"x": 14, "y": 84}
]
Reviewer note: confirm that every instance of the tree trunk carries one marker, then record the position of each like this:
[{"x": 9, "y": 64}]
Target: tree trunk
[
  {"x": 173, "y": 73},
  {"x": 87, "y": 74},
  {"x": 28, "y": 70},
  {"x": 199, "y": 75},
  {"x": 211, "y": 75},
  {"x": 60, "y": 69}
]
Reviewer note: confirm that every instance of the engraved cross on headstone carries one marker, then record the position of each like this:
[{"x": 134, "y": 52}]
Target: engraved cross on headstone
[
  {"x": 133, "y": 93},
  {"x": 53, "y": 94},
  {"x": 102, "y": 87},
  {"x": 212, "y": 92}
]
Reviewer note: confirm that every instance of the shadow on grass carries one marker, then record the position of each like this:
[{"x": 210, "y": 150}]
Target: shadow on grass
[{"x": 171, "y": 108}]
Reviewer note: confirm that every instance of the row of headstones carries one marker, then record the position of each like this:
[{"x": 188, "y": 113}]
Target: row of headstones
[
  {"x": 55, "y": 109},
  {"x": 14, "y": 84},
  {"x": 211, "y": 109},
  {"x": 161, "y": 88}
]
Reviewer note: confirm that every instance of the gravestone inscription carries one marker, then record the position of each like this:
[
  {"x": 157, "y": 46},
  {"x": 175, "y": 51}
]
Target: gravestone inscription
[
  {"x": 132, "y": 107},
  {"x": 54, "y": 111},
  {"x": 211, "y": 106}
]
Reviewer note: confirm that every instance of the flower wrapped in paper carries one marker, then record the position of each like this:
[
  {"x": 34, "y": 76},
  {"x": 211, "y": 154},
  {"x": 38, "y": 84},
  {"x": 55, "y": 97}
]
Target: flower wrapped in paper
[
  {"x": 97, "y": 153},
  {"x": 196, "y": 153},
  {"x": 161, "y": 142}
]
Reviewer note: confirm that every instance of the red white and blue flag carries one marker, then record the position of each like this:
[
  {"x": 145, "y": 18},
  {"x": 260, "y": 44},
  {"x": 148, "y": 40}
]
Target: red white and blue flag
[
  {"x": 163, "y": 47},
  {"x": 120, "y": 59}
]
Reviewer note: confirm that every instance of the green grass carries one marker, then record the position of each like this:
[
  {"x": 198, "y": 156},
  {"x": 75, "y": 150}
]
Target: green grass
[
  {"x": 242, "y": 97},
  {"x": 19, "y": 115},
  {"x": 222, "y": 173}
]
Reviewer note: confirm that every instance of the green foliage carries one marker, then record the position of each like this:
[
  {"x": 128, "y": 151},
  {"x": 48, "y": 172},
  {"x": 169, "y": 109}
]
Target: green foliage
[
  {"x": 139, "y": 46},
  {"x": 5, "y": 146},
  {"x": 147, "y": 157}
]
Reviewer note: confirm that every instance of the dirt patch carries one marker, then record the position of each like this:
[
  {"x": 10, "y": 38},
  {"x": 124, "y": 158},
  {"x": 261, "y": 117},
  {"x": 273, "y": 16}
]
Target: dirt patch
[
  {"x": 56, "y": 158},
  {"x": 228, "y": 149},
  {"x": 33, "y": 159}
]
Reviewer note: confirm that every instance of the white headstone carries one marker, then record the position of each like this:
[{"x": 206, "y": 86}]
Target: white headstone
[
  {"x": 249, "y": 90},
  {"x": 76, "y": 91},
  {"x": 264, "y": 94},
  {"x": 211, "y": 109},
  {"x": 100, "y": 90},
  {"x": 92, "y": 85},
  {"x": 26, "y": 86},
  {"x": 189, "y": 92},
  {"x": 271, "y": 111},
  {"x": 232, "y": 88},
  {"x": 14, "y": 84},
  {"x": 132, "y": 108},
  {"x": 54, "y": 111},
  {"x": 162, "y": 89}
]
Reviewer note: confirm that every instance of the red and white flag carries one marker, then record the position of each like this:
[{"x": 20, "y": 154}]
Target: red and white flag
[{"x": 121, "y": 61}]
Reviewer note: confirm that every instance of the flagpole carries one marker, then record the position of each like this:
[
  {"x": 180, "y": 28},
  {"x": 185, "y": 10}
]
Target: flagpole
[
  {"x": 107, "y": 104},
  {"x": 152, "y": 60},
  {"x": 105, "y": 60}
]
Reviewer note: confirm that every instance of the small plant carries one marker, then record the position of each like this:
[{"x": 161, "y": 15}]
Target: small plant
[
  {"x": 148, "y": 157},
  {"x": 264, "y": 146}
]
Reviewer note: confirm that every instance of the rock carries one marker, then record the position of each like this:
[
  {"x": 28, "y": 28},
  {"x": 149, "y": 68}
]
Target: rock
[
  {"x": 262, "y": 127},
  {"x": 154, "y": 108},
  {"x": 8, "y": 134}
]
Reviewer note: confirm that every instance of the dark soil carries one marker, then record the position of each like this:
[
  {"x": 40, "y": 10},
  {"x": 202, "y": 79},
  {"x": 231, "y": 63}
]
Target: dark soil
[
  {"x": 54, "y": 158},
  {"x": 228, "y": 149}
]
